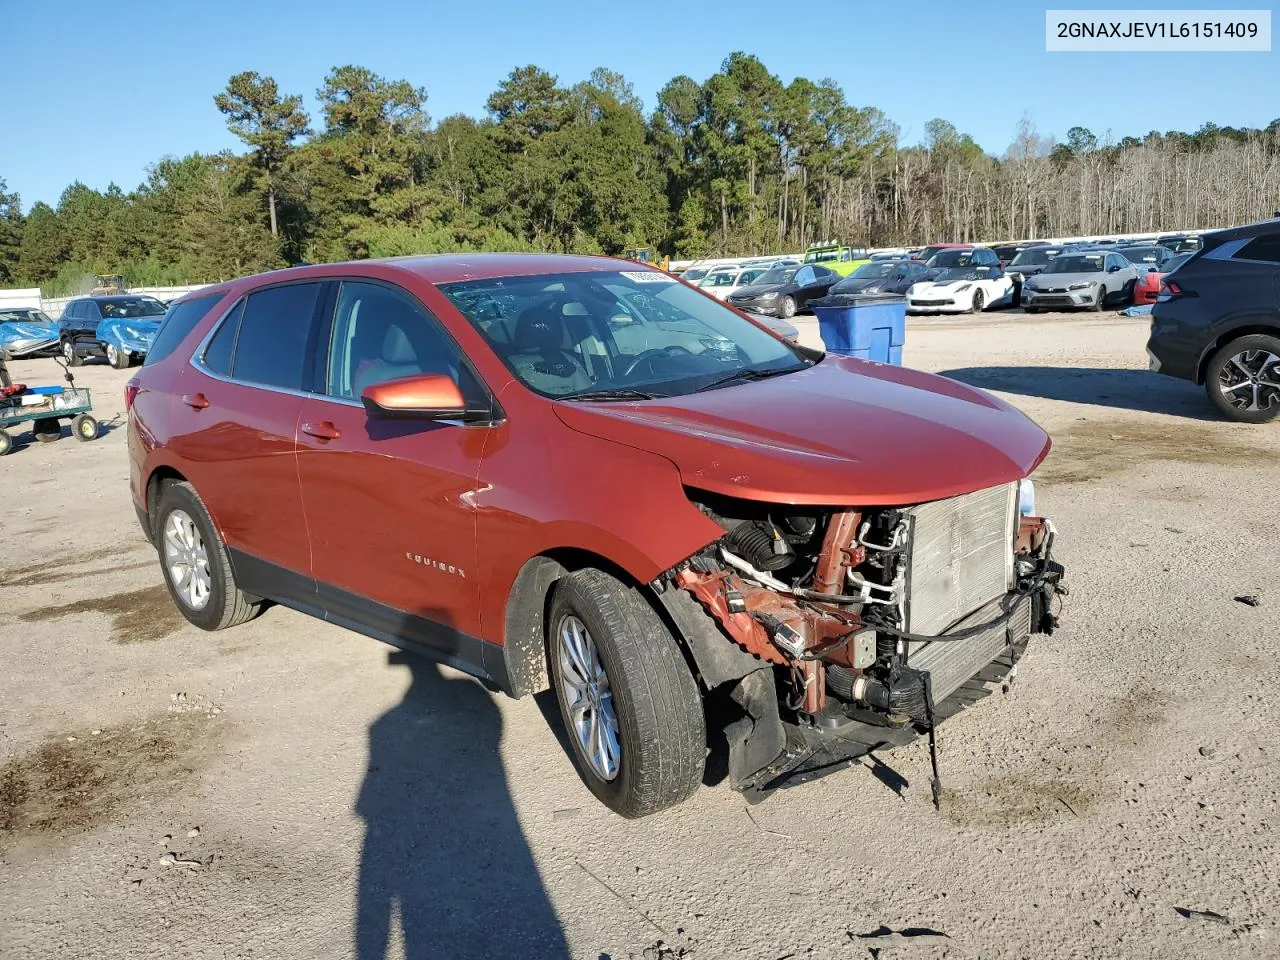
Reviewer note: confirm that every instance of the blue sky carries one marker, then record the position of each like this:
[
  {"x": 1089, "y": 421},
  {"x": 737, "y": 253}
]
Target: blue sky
[{"x": 102, "y": 108}]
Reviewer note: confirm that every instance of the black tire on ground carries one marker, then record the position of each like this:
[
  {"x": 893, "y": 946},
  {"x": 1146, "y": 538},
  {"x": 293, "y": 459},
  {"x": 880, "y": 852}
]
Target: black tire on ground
[
  {"x": 788, "y": 307},
  {"x": 1031, "y": 309},
  {"x": 1098, "y": 299},
  {"x": 1254, "y": 343},
  {"x": 84, "y": 427},
  {"x": 119, "y": 359},
  {"x": 227, "y": 605},
  {"x": 47, "y": 430},
  {"x": 661, "y": 730},
  {"x": 6, "y": 442},
  {"x": 979, "y": 301},
  {"x": 69, "y": 354}
]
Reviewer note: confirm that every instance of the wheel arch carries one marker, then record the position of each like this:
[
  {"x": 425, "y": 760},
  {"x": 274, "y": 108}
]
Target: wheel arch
[
  {"x": 159, "y": 477},
  {"x": 1257, "y": 325}
]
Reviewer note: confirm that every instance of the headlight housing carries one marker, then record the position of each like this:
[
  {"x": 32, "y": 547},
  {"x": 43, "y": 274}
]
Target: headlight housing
[
  {"x": 1079, "y": 286},
  {"x": 771, "y": 295}
]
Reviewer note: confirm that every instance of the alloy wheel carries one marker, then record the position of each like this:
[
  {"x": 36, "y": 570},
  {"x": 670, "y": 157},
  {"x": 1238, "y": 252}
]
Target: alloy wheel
[
  {"x": 1250, "y": 380},
  {"x": 588, "y": 697},
  {"x": 186, "y": 560},
  {"x": 113, "y": 357}
]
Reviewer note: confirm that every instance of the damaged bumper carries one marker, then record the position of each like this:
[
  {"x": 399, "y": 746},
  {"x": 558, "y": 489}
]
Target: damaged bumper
[{"x": 874, "y": 628}]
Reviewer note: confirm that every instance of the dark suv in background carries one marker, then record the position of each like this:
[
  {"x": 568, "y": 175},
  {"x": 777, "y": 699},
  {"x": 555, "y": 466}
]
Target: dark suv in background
[
  {"x": 78, "y": 328},
  {"x": 1217, "y": 321}
]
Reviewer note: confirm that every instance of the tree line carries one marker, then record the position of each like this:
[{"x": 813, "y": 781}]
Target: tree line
[{"x": 739, "y": 163}]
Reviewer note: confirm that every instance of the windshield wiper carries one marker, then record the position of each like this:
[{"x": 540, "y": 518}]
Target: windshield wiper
[
  {"x": 614, "y": 394},
  {"x": 743, "y": 376}
]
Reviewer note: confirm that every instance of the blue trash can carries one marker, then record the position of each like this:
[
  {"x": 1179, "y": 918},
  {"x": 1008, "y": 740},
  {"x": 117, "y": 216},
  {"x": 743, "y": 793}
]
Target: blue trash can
[{"x": 870, "y": 326}]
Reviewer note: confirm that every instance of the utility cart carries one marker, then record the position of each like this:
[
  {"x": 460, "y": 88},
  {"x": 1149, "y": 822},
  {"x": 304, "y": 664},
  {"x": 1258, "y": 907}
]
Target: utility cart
[{"x": 45, "y": 408}]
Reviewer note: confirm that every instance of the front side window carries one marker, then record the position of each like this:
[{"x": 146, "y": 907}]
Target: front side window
[
  {"x": 271, "y": 345},
  {"x": 616, "y": 335},
  {"x": 379, "y": 334},
  {"x": 804, "y": 275}
]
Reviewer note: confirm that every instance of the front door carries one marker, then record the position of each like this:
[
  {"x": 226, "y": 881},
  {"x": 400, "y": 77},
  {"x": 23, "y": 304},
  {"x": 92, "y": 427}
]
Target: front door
[{"x": 389, "y": 502}]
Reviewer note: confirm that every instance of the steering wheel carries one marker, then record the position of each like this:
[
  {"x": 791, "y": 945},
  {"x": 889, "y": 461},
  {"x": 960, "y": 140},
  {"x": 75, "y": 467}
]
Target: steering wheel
[{"x": 648, "y": 356}]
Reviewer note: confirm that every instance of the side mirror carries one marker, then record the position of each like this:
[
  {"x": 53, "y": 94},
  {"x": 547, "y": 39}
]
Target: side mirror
[
  {"x": 1112, "y": 269},
  {"x": 428, "y": 396}
]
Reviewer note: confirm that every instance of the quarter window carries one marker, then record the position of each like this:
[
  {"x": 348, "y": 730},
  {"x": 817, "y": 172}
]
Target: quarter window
[
  {"x": 217, "y": 355},
  {"x": 178, "y": 322},
  {"x": 271, "y": 347},
  {"x": 381, "y": 333},
  {"x": 1266, "y": 248}
]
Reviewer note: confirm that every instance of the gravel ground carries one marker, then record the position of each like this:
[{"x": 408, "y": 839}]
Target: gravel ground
[{"x": 289, "y": 789}]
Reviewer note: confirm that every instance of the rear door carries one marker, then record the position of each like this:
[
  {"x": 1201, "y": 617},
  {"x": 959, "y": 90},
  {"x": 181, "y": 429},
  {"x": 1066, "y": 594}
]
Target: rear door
[
  {"x": 389, "y": 502},
  {"x": 235, "y": 424}
]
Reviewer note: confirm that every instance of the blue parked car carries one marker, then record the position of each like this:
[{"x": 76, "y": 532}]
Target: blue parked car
[{"x": 119, "y": 327}]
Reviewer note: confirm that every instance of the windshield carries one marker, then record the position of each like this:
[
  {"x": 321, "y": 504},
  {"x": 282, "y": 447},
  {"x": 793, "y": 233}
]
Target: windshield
[
  {"x": 951, "y": 258},
  {"x": 24, "y": 315},
  {"x": 959, "y": 273},
  {"x": 1142, "y": 255},
  {"x": 132, "y": 307},
  {"x": 1077, "y": 263},
  {"x": 720, "y": 278},
  {"x": 874, "y": 269},
  {"x": 694, "y": 274},
  {"x": 631, "y": 334},
  {"x": 777, "y": 275},
  {"x": 1173, "y": 263},
  {"x": 821, "y": 256},
  {"x": 929, "y": 251},
  {"x": 1034, "y": 257}
]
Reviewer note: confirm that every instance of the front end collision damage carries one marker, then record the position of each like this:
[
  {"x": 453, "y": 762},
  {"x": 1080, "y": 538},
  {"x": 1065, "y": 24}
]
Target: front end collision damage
[{"x": 799, "y": 620}]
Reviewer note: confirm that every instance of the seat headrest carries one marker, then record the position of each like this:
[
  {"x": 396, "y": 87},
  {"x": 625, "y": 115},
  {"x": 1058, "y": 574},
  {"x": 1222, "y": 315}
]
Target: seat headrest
[
  {"x": 396, "y": 347},
  {"x": 541, "y": 327}
]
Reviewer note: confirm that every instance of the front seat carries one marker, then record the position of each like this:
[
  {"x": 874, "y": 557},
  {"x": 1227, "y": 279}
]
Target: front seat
[
  {"x": 396, "y": 359},
  {"x": 538, "y": 355}
]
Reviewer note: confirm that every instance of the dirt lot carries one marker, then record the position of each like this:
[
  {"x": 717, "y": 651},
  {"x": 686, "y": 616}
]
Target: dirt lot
[{"x": 288, "y": 789}]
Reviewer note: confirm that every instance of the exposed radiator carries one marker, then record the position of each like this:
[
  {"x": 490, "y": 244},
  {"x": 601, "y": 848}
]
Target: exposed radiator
[
  {"x": 961, "y": 557},
  {"x": 952, "y": 662}
]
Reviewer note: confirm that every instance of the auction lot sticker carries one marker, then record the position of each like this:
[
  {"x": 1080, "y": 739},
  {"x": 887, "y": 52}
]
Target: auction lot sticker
[{"x": 1153, "y": 30}]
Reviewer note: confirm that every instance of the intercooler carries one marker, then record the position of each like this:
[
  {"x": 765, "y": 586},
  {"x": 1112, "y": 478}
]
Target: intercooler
[{"x": 960, "y": 568}]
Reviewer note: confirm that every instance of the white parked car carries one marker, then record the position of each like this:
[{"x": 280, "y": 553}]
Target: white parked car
[
  {"x": 961, "y": 289},
  {"x": 723, "y": 281}
]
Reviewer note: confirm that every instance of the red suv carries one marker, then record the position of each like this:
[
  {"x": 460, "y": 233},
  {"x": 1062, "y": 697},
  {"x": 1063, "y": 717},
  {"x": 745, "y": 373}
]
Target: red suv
[{"x": 582, "y": 472}]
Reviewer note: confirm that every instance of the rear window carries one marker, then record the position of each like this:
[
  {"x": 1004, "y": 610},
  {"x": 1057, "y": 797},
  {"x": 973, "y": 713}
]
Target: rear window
[{"x": 180, "y": 320}]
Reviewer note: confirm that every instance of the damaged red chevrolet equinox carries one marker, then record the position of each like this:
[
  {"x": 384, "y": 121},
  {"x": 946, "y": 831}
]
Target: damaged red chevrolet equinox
[{"x": 583, "y": 473}]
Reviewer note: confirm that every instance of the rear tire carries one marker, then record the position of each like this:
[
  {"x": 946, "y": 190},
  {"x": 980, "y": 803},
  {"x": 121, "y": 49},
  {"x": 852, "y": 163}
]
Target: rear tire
[
  {"x": 644, "y": 685},
  {"x": 225, "y": 604},
  {"x": 47, "y": 430},
  {"x": 1227, "y": 368}
]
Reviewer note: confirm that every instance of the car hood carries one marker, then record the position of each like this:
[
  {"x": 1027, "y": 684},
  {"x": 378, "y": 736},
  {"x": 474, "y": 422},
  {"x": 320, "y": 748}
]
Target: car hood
[
  {"x": 843, "y": 432},
  {"x": 757, "y": 289},
  {"x": 1045, "y": 280},
  {"x": 941, "y": 286},
  {"x": 861, "y": 285}
]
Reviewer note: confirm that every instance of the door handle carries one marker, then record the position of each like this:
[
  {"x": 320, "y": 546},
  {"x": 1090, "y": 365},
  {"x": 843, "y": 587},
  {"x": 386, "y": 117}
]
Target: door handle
[
  {"x": 196, "y": 401},
  {"x": 324, "y": 430}
]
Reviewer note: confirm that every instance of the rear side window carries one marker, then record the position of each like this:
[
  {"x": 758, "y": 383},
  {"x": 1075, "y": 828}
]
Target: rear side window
[
  {"x": 217, "y": 355},
  {"x": 178, "y": 322},
  {"x": 271, "y": 347},
  {"x": 1265, "y": 248}
]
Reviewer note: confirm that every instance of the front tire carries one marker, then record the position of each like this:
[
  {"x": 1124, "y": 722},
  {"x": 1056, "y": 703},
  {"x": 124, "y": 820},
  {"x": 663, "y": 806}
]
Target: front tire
[
  {"x": 6, "y": 442},
  {"x": 788, "y": 307},
  {"x": 1098, "y": 297},
  {"x": 69, "y": 354},
  {"x": 629, "y": 703},
  {"x": 1243, "y": 379},
  {"x": 195, "y": 564},
  {"x": 118, "y": 358},
  {"x": 979, "y": 301}
]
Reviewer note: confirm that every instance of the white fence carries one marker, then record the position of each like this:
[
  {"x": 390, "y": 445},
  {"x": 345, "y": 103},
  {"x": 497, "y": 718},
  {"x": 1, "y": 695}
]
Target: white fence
[{"x": 55, "y": 305}]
